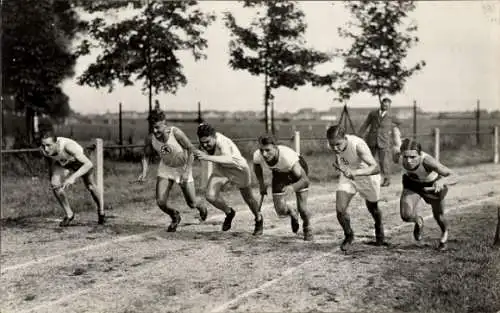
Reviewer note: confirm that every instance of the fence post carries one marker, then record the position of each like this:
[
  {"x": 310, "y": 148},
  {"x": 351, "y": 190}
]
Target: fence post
[
  {"x": 296, "y": 141},
  {"x": 478, "y": 121},
  {"x": 35, "y": 124},
  {"x": 414, "y": 119},
  {"x": 120, "y": 127},
  {"x": 495, "y": 145},
  {"x": 496, "y": 241},
  {"x": 436, "y": 143},
  {"x": 99, "y": 171},
  {"x": 206, "y": 171}
]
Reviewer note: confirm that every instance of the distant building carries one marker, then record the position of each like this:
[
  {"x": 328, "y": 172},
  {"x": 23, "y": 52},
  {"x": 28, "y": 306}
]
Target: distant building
[
  {"x": 307, "y": 114},
  {"x": 328, "y": 117}
]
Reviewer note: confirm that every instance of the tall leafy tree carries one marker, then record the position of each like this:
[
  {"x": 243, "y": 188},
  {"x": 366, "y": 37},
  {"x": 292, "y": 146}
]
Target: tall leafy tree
[
  {"x": 381, "y": 38},
  {"x": 273, "y": 45},
  {"x": 37, "y": 55},
  {"x": 145, "y": 46}
]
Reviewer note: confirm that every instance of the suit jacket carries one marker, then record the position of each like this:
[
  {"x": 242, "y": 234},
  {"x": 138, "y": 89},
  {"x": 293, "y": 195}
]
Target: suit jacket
[{"x": 380, "y": 129}]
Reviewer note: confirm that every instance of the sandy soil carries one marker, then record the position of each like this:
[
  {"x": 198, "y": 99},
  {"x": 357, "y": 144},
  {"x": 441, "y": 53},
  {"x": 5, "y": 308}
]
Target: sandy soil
[{"x": 133, "y": 265}]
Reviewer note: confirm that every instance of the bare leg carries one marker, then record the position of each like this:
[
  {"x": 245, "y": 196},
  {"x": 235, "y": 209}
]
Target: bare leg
[
  {"x": 438, "y": 213},
  {"x": 304, "y": 214},
  {"x": 249, "y": 199},
  {"x": 253, "y": 205},
  {"x": 163, "y": 187},
  {"x": 284, "y": 210},
  {"x": 342, "y": 202},
  {"x": 213, "y": 193},
  {"x": 377, "y": 217},
  {"x": 213, "y": 196},
  {"x": 192, "y": 201},
  {"x": 55, "y": 181},
  {"x": 409, "y": 203},
  {"x": 88, "y": 180}
]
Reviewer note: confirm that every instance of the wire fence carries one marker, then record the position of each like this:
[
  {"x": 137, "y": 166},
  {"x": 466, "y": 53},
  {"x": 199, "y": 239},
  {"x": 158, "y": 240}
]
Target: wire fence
[
  {"x": 26, "y": 185},
  {"x": 455, "y": 147}
]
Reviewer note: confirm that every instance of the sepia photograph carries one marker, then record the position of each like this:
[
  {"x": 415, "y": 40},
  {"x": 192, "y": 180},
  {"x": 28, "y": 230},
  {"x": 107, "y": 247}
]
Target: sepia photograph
[{"x": 254, "y": 156}]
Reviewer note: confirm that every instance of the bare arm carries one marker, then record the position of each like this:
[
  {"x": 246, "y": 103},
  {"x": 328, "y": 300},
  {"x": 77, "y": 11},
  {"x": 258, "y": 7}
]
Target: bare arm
[
  {"x": 77, "y": 152},
  {"x": 147, "y": 154},
  {"x": 303, "y": 180},
  {"x": 259, "y": 173},
  {"x": 184, "y": 141},
  {"x": 225, "y": 158},
  {"x": 446, "y": 175},
  {"x": 366, "y": 156}
]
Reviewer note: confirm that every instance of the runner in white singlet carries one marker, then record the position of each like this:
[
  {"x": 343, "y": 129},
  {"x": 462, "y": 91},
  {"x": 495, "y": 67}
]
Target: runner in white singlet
[
  {"x": 359, "y": 173},
  {"x": 229, "y": 167},
  {"x": 66, "y": 156},
  {"x": 289, "y": 170},
  {"x": 424, "y": 178},
  {"x": 176, "y": 166}
]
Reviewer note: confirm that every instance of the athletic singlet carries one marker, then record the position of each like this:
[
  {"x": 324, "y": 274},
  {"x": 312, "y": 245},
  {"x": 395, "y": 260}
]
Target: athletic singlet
[
  {"x": 61, "y": 156},
  {"x": 226, "y": 144},
  {"x": 420, "y": 173},
  {"x": 171, "y": 152},
  {"x": 286, "y": 159},
  {"x": 349, "y": 157}
]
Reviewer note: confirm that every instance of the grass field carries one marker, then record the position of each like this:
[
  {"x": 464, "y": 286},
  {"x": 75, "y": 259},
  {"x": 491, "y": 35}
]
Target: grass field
[{"x": 133, "y": 265}]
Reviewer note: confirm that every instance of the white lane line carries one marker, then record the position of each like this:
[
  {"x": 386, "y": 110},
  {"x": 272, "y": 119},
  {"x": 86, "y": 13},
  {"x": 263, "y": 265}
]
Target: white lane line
[
  {"x": 42, "y": 260},
  {"x": 225, "y": 306},
  {"x": 228, "y": 304}
]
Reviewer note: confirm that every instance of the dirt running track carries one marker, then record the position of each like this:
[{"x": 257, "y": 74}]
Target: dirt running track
[{"x": 133, "y": 265}]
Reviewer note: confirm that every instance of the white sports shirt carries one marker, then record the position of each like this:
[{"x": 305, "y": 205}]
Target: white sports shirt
[
  {"x": 62, "y": 157},
  {"x": 349, "y": 157},
  {"x": 286, "y": 159},
  {"x": 171, "y": 152},
  {"x": 224, "y": 145}
]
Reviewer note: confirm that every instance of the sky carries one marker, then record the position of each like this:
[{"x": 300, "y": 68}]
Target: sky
[{"x": 459, "y": 41}]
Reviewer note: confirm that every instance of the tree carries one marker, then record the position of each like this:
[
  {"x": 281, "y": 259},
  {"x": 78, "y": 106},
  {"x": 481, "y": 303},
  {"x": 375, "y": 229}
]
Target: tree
[
  {"x": 273, "y": 46},
  {"x": 374, "y": 62},
  {"x": 145, "y": 46},
  {"x": 37, "y": 56}
]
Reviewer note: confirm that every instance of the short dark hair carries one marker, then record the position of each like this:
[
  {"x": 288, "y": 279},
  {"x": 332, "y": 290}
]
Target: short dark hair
[
  {"x": 335, "y": 131},
  {"x": 267, "y": 139},
  {"x": 46, "y": 130},
  {"x": 157, "y": 116},
  {"x": 385, "y": 99},
  {"x": 411, "y": 144},
  {"x": 205, "y": 130}
]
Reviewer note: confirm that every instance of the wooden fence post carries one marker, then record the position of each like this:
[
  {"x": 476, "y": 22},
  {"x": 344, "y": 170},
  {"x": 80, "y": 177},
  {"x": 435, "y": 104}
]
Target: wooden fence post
[
  {"x": 99, "y": 170},
  {"x": 436, "y": 143},
  {"x": 296, "y": 141},
  {"x": 414, "y": 119},
  {"x": 496, "y": 241},
  {"x": 206, "y": 171},
  {"x": 478, "y": 121},
  {"x": 495, "y": 145},
  {"x": 120, "y": 128}
]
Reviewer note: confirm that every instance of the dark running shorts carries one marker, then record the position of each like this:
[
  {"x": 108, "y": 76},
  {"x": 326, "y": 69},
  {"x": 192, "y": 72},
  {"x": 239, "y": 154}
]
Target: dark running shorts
[
  {"x": 282, "y": 179},
  {"x": 418, "y": 187}
]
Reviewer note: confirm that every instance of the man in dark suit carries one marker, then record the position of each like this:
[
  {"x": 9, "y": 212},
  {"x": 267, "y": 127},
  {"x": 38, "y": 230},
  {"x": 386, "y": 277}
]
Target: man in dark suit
[{"x": 383, "y": 130}]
